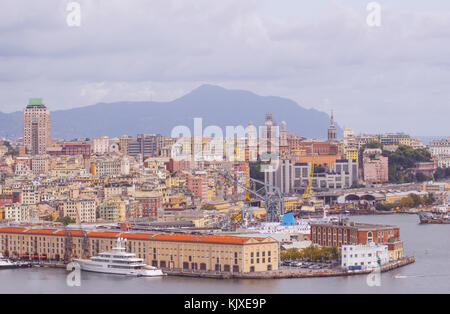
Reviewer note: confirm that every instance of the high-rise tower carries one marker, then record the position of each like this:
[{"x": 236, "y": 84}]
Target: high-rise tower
[
  {"x": 269, "y": 135},
  {"x": 332, "y": 132},
  {"x": 36, "y": 127}
]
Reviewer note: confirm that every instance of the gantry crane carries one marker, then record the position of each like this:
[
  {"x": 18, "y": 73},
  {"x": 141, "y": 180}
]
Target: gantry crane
[
  {"x": 273, "y": 198},
  {"x": 307, "y": 192}
]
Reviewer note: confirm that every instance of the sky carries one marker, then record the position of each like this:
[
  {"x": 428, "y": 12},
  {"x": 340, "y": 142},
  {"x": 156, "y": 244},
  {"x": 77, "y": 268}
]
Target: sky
[{"x": 323, "y": 54}]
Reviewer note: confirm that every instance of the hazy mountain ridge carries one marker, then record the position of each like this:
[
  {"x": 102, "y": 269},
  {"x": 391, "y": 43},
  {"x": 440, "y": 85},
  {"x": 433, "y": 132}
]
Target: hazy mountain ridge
[{"x": 215, "y": 105}]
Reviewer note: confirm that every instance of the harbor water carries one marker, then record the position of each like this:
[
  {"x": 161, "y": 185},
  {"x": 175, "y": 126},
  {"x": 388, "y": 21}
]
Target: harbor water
[{"x": 430, "y": 244}]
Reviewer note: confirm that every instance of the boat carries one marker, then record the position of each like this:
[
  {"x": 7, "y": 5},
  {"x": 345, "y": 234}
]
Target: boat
[
  {"x": 433, "y": 218},
  {"x": 6, "y": 263},
  {"x": 119, "y": 262},
  {"x": 291, "y": 225}
]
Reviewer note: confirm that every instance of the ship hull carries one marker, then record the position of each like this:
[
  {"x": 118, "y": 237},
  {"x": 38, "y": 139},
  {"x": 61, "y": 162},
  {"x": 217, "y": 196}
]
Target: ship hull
[{"x": 103, "y": 268}]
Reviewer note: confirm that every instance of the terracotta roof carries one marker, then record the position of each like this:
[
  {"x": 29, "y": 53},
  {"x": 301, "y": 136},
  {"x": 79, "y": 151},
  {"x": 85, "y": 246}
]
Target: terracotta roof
[
  {"x": 75, "y": 233},
  {"x": 139, "y": 236},
  {"x": 99, "y": 234},
  {"x": 12, "y": 230},
  {"x": 40, "y": 231},
  {"x": 204, "y": 238}
]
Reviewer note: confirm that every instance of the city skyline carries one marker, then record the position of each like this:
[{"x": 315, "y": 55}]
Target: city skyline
[
  {"x": 322, "y": 56},
  {"x": 223, "y": 147}
]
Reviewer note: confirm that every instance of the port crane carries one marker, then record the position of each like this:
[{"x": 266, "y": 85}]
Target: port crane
[
  {"x": 307, "y": 192},
  {"x": 272, "y": 197}
]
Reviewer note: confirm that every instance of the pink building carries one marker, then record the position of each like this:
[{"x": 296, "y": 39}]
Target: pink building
[
  {"x": 100, "y": 145},
  {"x": 376, "y": 167},
  {"x": 198, "y": 185}
]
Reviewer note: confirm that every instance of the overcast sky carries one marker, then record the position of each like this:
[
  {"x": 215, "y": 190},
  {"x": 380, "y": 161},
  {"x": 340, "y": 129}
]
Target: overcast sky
[{"x": 321, "y": 53}]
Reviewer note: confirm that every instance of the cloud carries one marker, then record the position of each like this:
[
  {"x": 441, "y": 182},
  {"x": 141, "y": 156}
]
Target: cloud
[{"x": 392, "y": 77}]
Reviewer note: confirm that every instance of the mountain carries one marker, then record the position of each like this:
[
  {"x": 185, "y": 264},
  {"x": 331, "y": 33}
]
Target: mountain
[{"x": 214, "y": 104}]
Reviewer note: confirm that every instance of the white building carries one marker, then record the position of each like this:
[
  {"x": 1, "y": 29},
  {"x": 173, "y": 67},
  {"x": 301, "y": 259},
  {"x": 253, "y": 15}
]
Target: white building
[
  {"x": 443, "y": 161},
  {"x": 364, "y": 256},
  {"x": 100, "y": 145},
  {"x": 40, "y": 164},
  {"x": 30, "y": 195},
  {"x": 21, "y": 213},
  {"x": 440, "y": 147}
]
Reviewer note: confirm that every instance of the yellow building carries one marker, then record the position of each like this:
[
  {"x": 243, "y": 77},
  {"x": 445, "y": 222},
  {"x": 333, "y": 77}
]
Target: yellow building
[
  {"x": 292, "y": 203},
  {"x": 81, "y": 210},
  {"x": 112, "y": 210},
  {"x": 351, "y": 153}
]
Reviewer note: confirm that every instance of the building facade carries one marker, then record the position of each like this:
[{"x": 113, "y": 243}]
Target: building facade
[
  {"x": 364, "y": 256},
  {"x": 375, "y": 166},
  {"x": 36, "y": 127},
  {"x": 173, "y": 251},
  {"x": 346, "y": 232}
]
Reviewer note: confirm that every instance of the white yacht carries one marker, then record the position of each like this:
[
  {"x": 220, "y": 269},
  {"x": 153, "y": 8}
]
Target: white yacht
[
  {"x": 6, "y": 263},
  {"x": 119, "y": 262},
  {"x": 291, "y": 225}
]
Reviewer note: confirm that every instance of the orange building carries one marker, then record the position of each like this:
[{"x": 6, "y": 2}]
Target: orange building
[{"x": 324, "y": 160}]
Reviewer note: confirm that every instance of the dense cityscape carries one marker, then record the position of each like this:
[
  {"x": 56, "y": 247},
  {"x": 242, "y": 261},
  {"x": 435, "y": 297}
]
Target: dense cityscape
[
  {"x": 186, "y": 205},
  {"x": 226, "y": 155}
]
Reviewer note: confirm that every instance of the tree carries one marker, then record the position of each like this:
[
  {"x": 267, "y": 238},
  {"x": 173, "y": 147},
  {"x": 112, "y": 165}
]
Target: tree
[
  {"x": 65, "y": 220},
  {"x": 406, "y": 202},
  {"x": 403, "y": 160},
  {"x": 417, "y": 200},
  {"x": 429, "y": 199},
  {"x": 442, "y": 173},
  {"x": 384, "y": 207},
  {"x": 48, "y": 218},
  {"x": 420, "y": 177}
]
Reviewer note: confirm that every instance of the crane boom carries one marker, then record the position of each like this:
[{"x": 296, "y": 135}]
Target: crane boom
[{"x": 273, "y": 198}]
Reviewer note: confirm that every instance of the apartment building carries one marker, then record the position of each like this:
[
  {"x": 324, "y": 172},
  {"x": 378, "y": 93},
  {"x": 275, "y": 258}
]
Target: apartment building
[
  {"x": 36, "y": 127},
  {"x": 292, "y": 178},
  {"x": 145, "y": 145},
  {"x": 375, "y": 166},
  {"x": 112, "y": 210},
  {"x": 110, "y": 166},
  {"x": 100, "y": 145},
  {"x": 81, "y": 210},
  {"x": 440, "y": 148},
  {"x": 20, "y": 212},
  {"x": 40, "y": 164}
]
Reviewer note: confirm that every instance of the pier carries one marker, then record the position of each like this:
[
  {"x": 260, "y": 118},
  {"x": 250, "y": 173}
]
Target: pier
[
  {"x": 284, "y": 272},
  {"x": 288, "y": 272}
]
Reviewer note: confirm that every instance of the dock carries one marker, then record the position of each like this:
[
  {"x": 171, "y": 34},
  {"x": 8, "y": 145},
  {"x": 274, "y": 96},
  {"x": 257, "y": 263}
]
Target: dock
[
  {"x": 287, "y": 273},
  {"x": 275, "y": 274}
]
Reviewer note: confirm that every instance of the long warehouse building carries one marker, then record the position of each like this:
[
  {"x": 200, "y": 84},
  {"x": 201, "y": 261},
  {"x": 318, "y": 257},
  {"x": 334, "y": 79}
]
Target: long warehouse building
[{"x": 173, "y": 251}]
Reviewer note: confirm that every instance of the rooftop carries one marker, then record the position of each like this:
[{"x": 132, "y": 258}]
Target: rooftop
[
  {"x": 35, "y": 103},
  {"x": 137, "y": 236}
]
